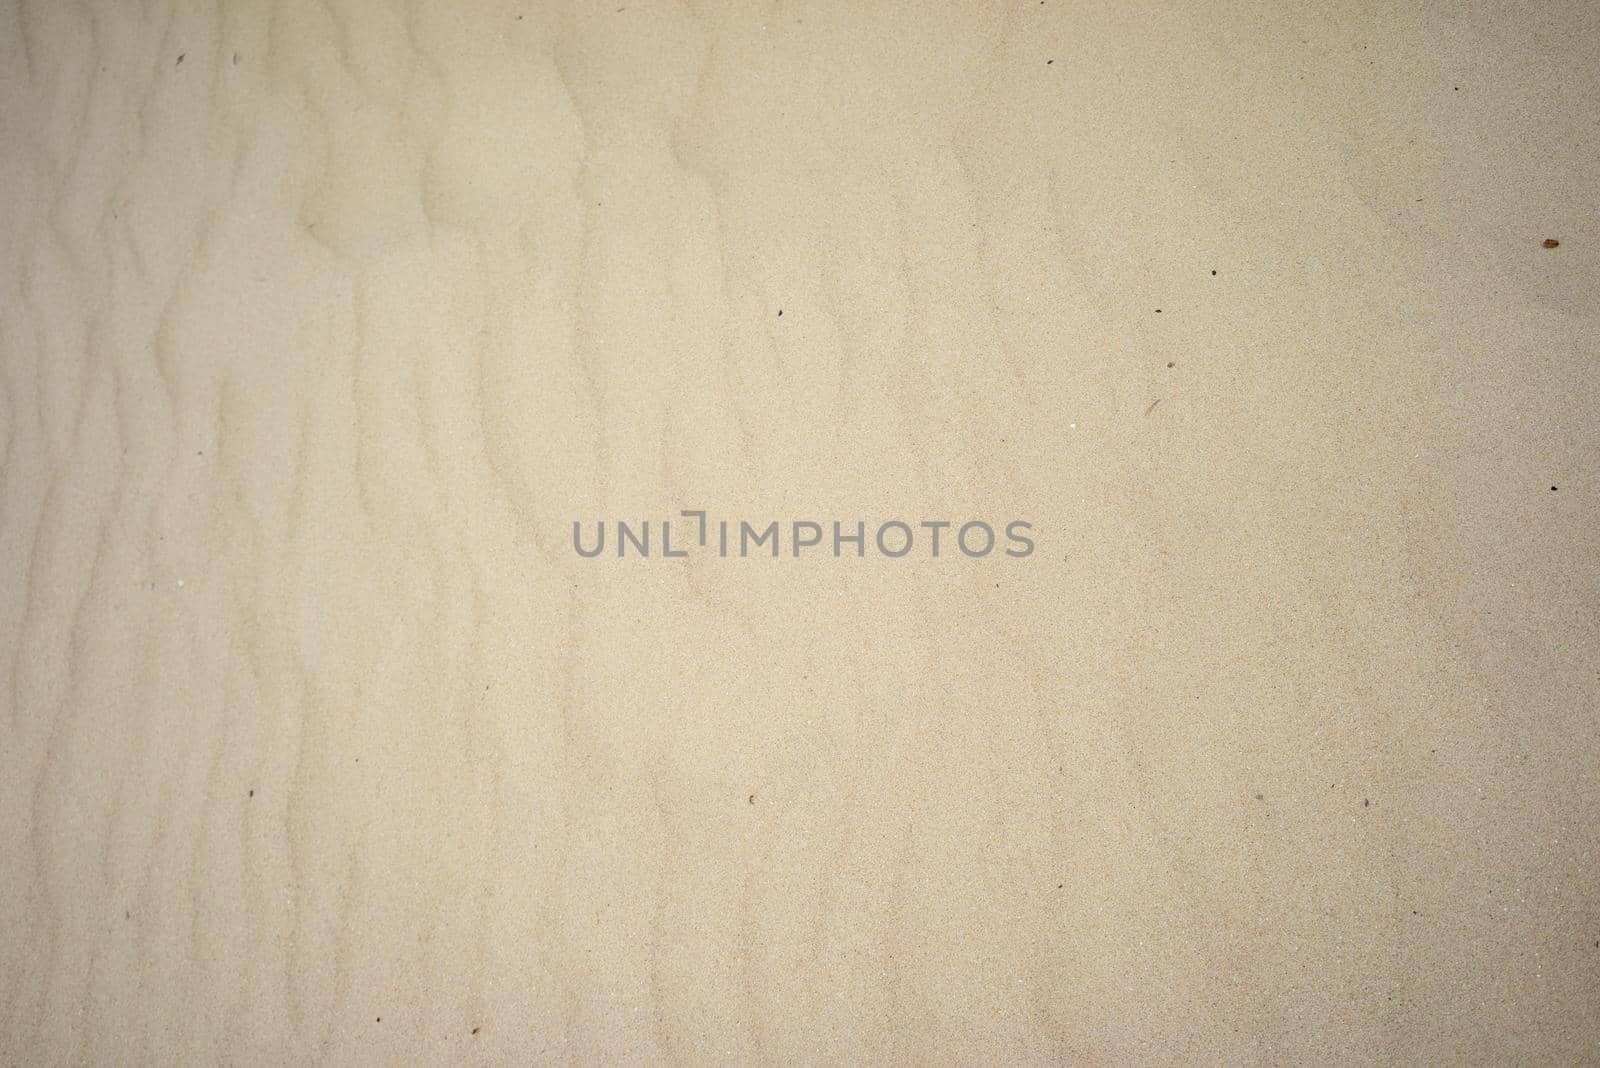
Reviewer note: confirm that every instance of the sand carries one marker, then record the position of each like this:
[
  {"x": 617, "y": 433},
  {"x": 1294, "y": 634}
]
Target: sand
[{"x": 322, "y": 323}]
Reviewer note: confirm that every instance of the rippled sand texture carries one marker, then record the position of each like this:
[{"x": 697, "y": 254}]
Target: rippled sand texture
[{"x": 321, "y": 322}]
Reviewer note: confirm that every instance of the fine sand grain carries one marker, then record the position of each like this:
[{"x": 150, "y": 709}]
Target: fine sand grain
[{"x": 322, "y": 322}]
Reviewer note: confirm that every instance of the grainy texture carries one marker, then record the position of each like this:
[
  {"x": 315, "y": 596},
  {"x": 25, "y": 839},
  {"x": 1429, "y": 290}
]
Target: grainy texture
[{"x": 320, "y": 322}]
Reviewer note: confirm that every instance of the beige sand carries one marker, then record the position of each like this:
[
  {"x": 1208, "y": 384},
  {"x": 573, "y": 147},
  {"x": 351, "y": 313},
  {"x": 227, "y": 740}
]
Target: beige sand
[{"x": 322, "y": 322}]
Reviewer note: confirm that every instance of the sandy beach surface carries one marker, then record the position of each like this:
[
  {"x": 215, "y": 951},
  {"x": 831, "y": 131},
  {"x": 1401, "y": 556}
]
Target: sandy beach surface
[{"x": 323, "y": 322}]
